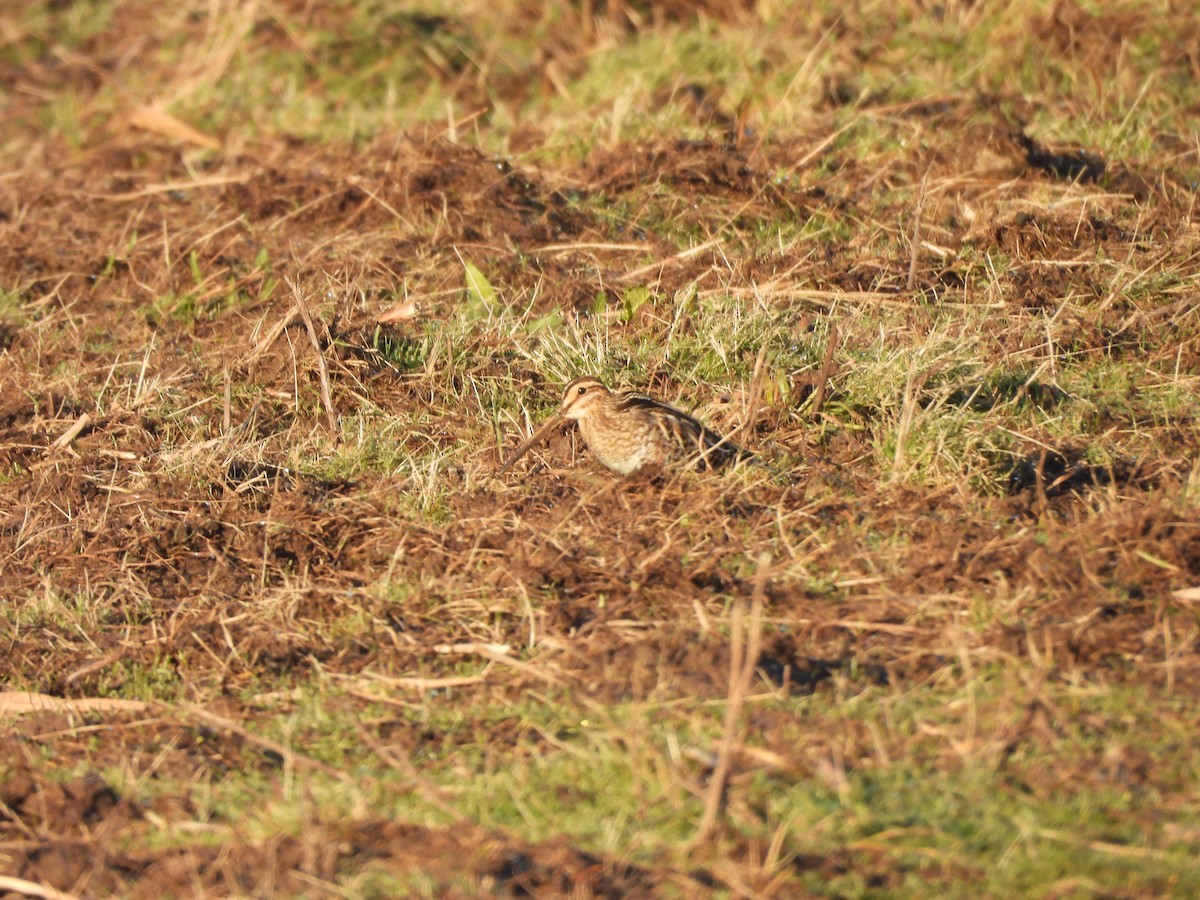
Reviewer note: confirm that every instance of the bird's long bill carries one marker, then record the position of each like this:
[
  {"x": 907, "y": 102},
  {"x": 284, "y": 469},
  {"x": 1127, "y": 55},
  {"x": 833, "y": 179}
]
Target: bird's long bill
[{"x": 533, "y": 439}]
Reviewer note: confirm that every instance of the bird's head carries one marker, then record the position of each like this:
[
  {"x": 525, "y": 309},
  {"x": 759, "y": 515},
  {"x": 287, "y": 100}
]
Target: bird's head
[{"x": 581, "y": 396}]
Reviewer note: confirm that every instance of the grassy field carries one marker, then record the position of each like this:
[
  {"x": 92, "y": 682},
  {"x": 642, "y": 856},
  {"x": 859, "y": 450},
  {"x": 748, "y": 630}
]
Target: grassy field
[{"x": 282, "y": 284}]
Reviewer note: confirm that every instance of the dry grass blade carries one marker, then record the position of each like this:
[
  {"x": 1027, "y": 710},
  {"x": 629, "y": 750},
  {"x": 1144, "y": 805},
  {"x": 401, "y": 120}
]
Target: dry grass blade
[
  {"x": 96, "y": 665},
  {"x": 401, "y": 312},
  {"x": 156, "y": 121},
  {"x": 756, "y": 393},
  {"x": 170, "y": 187},
  {"x": 531, "y": 442},
  {"x": 474, "y": 647},
  {"x": 322, "y": 366},
  {"x": 744, "y": 650},
  {"x": 676, "y": 259},
  {"x": 226, "y": 402},
  {"x": 424, "y": 684},
  {"x": 821, "y": 391},
  {"x": 590, "y": 245},
  {"x": 1187, "y": 595},
  {"x": 65, "y": 439},
  {"x": 1121, "y": 850},
  {"x": 32, "y": 889},
  {"x": 497, "y": 653},
  {"x": 20, "y": 702},
  {"x": 263, "y": 344},
  {"x": 915, "y": 240}
]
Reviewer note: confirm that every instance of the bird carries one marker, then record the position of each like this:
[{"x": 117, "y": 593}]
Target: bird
[{"x": 627, "y": 430}]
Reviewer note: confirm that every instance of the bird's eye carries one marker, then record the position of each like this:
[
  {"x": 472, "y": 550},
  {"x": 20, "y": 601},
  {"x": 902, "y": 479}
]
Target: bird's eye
[{"x": 583, "y": 390}]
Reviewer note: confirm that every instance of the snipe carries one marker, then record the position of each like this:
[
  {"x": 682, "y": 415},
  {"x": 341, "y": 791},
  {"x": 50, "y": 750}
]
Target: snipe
[{"x": 627, "y": 430}]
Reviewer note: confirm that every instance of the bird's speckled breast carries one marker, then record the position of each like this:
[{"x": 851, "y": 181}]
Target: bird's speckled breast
[{"x": 623, "y": 446}]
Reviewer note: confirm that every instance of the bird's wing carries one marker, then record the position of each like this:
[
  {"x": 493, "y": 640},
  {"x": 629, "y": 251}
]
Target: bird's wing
[{"x": 690, "y": 433}]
